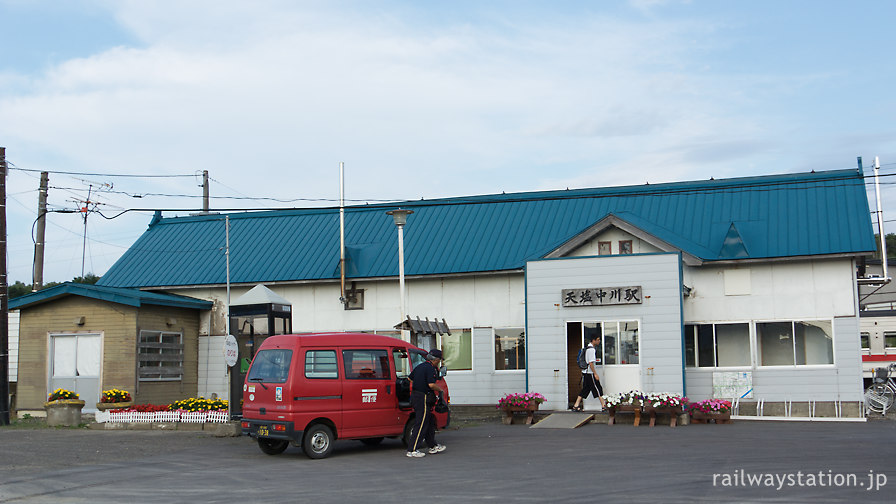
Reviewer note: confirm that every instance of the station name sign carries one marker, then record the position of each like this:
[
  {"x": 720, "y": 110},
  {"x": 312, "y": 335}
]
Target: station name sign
[{"x": 602, "y": 296}]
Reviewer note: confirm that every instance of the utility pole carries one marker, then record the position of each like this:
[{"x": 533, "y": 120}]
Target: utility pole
[
  {"x": 4, "y": 299},
  {"x": 205, "y": 191},
  {"x": 37, "y": 279},
  {"x": 85, "y": 210}
]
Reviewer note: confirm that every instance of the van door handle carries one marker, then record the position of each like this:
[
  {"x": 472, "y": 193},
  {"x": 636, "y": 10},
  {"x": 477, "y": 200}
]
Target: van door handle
[{"x": 388, "y": 389}]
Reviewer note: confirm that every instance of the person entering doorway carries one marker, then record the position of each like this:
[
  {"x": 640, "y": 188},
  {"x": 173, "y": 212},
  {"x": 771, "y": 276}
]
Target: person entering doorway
[{"x": 590, "y": 379}]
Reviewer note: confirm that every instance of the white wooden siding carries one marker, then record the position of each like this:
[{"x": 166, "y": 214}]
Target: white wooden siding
[{"x": 659, "y": 316}]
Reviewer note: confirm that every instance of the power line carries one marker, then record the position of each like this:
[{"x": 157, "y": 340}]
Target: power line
[{"x": 87, "y": 174}]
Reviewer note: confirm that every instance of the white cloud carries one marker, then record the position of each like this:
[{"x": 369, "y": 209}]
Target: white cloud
[{"x": 270, "y": 96}]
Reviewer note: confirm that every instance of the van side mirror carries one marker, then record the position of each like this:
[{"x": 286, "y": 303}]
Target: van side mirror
[{"x": 443, "y": 371}]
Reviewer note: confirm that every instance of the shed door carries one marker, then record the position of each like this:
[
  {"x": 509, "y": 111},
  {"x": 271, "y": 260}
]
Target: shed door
[{"x": 75, "y": 364}]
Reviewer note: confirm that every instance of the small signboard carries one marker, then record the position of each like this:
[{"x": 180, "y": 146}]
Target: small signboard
[
  {"x": 732, "y": 385},
  {"x": 231, "y": 350},
  {"x": 602, "y": 296}
]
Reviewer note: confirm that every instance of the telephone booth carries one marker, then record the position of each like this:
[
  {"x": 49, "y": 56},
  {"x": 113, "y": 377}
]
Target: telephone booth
[{"x": 254, "y": 316}]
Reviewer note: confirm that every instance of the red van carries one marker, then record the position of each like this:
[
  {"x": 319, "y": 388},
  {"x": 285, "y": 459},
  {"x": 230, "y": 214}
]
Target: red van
[{"x": 312, "y": 389}]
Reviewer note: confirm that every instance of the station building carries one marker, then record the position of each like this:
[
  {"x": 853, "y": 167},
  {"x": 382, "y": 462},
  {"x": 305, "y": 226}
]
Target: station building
[{"x": 741, "y": 286}]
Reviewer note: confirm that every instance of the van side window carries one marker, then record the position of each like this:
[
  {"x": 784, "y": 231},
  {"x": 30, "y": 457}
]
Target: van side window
[
  {"x": 321, "y": 364},
  {"x": 270, "y": 366},
  {"x": 366, "y": 364}
]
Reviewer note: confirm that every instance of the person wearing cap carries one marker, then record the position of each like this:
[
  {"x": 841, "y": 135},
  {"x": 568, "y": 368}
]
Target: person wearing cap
[{"x": 424, "y": 387}]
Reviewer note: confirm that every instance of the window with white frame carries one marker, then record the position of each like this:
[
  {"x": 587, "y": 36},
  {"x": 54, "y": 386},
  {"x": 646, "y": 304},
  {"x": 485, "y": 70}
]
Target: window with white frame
[
  {"x": 890, "y": 340},
  {"x": 510, "y": 349},
  {"x": 457, "y": 350},
  {"x": 717, "y": 345},
  {"x": 618, "y": 340},
  {"x": 797, "y": 343},
  {"x": 865, "y": 340},
  {"x": 160, "y": 356}
]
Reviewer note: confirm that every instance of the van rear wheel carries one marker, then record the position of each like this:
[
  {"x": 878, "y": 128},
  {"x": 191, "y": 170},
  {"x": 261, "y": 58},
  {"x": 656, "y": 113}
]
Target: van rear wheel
[
  {"x": 318, "y": 441},
  {"x": 272, "y": 446}
]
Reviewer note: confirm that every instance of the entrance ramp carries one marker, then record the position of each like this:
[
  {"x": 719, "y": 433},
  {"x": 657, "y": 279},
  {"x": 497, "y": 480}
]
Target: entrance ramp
[{"x": 564, "y": 420}]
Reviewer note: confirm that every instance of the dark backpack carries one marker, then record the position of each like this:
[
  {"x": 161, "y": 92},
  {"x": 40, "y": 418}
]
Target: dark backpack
[{"x": 580, "y": 359}]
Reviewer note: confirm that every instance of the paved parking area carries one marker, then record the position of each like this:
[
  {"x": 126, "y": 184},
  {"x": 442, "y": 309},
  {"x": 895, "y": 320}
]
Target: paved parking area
[{"x": 489, "y": 462}]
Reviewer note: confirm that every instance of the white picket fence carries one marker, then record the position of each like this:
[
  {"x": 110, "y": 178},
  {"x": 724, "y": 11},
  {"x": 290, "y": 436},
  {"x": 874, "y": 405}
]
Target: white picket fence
[{"x": 219, "y": 416}]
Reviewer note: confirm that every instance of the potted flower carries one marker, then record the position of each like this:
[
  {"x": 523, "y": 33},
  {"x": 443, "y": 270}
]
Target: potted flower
[
  {"x": 717, "y": 410},
  {"x": 114, "y": 399},
  {"x": 63, "y": 408},
  {"x": 527, "y": 402},
  {"x": 624, "y": 402},
  {"x": 664, "y": 403}
]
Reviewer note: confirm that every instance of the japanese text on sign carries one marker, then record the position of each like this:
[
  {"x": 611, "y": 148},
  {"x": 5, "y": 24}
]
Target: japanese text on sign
[{"x": 601, "y": 296}]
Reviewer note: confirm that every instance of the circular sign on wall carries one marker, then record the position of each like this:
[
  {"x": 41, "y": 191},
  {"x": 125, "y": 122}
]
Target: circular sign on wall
[{"x": 231, "y": 350}]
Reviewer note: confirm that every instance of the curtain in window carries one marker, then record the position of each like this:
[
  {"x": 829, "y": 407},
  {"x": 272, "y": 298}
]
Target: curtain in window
[
  {"x": 88, "y": 356},
  {"x": 64, "y": 356},
  {"x": 457, "y": 349}
]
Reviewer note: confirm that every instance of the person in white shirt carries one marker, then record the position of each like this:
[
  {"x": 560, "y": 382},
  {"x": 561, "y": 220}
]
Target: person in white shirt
[{"x": 590, "y": 380}]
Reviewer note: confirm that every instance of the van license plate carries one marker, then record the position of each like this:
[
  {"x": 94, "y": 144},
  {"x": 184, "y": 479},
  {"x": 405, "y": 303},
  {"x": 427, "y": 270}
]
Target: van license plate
[{"x": 263, "y": 430}]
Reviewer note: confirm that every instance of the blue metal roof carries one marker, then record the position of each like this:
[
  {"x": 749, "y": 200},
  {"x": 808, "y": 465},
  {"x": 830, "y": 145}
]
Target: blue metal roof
[
  {"x": 774, "y": 216},
  {"x": 130, "y": 297}
]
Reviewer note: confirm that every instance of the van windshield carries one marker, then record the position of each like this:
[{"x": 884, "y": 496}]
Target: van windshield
[
  {"x": 270, "y": 366},
  {"x": 417, "y": 357}
]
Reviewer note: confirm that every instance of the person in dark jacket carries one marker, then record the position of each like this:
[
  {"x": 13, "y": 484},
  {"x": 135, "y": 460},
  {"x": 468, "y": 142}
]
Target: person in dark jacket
[{"x": 424, "y": 388}]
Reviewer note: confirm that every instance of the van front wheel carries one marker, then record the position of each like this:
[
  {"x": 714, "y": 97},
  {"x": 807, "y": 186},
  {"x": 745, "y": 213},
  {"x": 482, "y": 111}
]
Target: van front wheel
[
  {"x": 318, "y": 441},
  {"x": 272, "y": 446}
]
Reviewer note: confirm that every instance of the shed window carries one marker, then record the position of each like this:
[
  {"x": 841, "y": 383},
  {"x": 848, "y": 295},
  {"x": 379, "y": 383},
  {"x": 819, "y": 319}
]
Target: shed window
[{"x": 160, "y": 356}]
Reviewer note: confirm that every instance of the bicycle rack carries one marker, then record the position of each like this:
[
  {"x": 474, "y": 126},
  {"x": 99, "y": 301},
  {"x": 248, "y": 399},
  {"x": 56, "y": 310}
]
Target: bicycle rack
[
  {"x": 760, "y": 404},
  {"x": 788, "y": 406},
  {"x": 811, "y": 408}
]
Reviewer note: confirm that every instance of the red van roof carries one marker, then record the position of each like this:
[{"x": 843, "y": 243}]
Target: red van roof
[{"x": 335, "y": 339}]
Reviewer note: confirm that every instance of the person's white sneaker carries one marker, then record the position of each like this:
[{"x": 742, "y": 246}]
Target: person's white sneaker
[
  {"x": 437, "y": 449},
  {"x": 418, "y": 453}
]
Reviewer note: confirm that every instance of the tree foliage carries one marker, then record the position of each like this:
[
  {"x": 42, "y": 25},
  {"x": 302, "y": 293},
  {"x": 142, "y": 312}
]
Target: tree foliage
[{"x": 20, "y": 289}]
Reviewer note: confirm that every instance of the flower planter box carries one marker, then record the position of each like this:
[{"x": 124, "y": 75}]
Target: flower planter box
[
  {"x": 105, "y": 406},
  {"x": 510, "y": 410},
  {"x": 64, "y": 412},
  {"x": 625, "y": 408},
  {"x": 672, "y": 411},
  {"x": 702, "y": 418}
]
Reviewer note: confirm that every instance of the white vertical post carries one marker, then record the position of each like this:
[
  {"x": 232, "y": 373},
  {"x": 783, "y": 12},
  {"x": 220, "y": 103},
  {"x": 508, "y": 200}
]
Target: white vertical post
[
  {"x": 400, "y": 216},
  {"x": 404, "y": 308}
]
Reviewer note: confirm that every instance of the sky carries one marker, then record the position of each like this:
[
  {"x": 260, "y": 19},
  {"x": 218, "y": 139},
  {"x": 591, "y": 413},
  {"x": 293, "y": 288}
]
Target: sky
[{"x": 126, "y": 102}]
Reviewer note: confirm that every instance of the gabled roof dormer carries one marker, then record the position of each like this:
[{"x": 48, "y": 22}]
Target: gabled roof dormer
[{"x": 613, "y": 222}]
